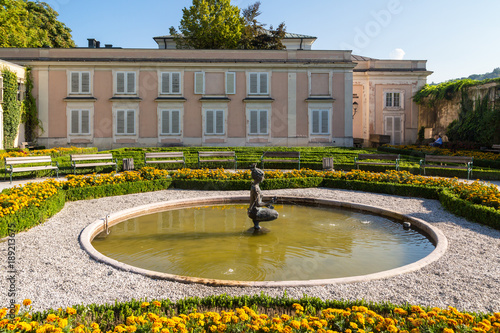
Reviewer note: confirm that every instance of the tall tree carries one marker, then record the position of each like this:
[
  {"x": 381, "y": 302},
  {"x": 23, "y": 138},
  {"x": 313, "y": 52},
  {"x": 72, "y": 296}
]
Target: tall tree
[
  {"x": 31, "y": 24},
  {"x": 255, "y": 36},
  {"x": 209, "y": 24}
]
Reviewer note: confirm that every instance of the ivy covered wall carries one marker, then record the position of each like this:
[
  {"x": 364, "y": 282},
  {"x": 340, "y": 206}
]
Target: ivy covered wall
[{"x": 11, "y": 108}]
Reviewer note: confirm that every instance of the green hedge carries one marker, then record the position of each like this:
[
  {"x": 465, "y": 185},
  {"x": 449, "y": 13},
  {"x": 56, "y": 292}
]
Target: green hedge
[
  {"x": 235, "y": 185},
  {"x": 387, "y": 188},
  {"x": 476, "y": 213},
  {"x": 108, "y": 190},
  {"x": 31, "y": 216}
]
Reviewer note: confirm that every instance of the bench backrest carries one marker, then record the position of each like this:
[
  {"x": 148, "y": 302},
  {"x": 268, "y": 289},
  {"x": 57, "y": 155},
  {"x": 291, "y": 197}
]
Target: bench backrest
[
  {"x": 392, "y": 157},
  {"x": 495, "y": 146},
  {"x": 91, "y": 157},
  {"x": 165, "y": 154},
  {"x": 216, "y": 154},
  {"x": 28, "y": 160},
  {"x": 448, "y": 159},
  {"x": 281, "y": 154}
]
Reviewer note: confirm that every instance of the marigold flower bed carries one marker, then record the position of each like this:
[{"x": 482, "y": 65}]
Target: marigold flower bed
[{"x": 152, "y": 318}]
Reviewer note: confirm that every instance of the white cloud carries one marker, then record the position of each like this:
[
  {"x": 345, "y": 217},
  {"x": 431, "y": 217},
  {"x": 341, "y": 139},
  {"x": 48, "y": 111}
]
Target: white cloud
[{"x": 397, "y": 54}]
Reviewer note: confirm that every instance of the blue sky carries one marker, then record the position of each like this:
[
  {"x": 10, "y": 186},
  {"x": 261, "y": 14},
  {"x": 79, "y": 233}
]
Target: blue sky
[{"x": 457, "y": 37}]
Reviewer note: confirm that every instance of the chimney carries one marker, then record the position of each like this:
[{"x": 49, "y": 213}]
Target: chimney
[
  {"x": 97, "y": 44},
  {"x": 108, "y": 46},
  {"x": 92, "y": 43}
]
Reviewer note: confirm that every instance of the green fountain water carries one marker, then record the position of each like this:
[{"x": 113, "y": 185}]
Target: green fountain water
[{"x": 305, "y": 243}]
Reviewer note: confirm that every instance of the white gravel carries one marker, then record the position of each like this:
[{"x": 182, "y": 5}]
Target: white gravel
[{"x": 53, "y": 271}]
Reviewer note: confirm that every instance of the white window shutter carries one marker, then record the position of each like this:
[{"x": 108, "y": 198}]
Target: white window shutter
[
  {"x": 315, "y": 121},
  {"x": 253, "y": 121},
  {"x": 219, "y": 121},
  {"x": 120, "y": 83},
  {"x": 131, "y": 82},
  {"x": 230, "y": 83},
  {"x": 253, "y": 83},
  {"x": 85, "y": 121},
  {"x": 75, "y": 121},
  {"x": 120, "y": 122},
  {"x": 397, "y": 130},
  {"x": 324, "y": 122},
  {"x": 263, "y": 83},
  {"x": 198, "y": 83},
  {"x": 85, "y": 82},
  {"x": 75, "y": 82},
  {"x": 175, "y": 121},
  {"x": 396, "y": 100},
  {"x": 165, "y": 122},
  {"x": 263, "y": 122},
  {"x": 165, "y": 83},
  {"x": 130, "y": 121},
  {"x": 176, "y": 83},
  {"x": 209, "y": 126}
]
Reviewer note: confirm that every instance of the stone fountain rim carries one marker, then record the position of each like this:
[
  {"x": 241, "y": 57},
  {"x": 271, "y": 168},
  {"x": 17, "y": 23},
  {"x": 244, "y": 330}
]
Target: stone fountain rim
[{"x": 91, "y": 231}]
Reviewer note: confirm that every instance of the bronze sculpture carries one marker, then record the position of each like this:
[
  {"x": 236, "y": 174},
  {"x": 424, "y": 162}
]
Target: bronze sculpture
[{"x": 259, "y": 211}]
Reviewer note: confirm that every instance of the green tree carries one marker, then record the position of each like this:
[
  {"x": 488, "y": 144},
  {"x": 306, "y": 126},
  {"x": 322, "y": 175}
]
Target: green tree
[
  {"x": 209, "y": 24},
  {"x": 31, "y": 24},
  {"x": 255, "y": 36}
]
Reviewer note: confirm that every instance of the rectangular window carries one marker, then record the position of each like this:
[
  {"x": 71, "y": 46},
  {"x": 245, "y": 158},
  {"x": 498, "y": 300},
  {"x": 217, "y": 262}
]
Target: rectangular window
[
  {"x": 230, "y": 83},
  {"x": 80, "y": 122},
  {"x": 199, "y": 83},
  {"x": 258, "y": 122},
  {"x": 80, "y": 82},
  {"x": 214, "y": 122},
  {"x": 258, "y": 84},
  {"x": 320, "y": 122},
  {"x": 170, "y": 83},
  {"x": 170, "y": 122},
  {"x": 125, "y": 82},
  {"x": 393, "y": 100},
  {"x": 125, "y": 122}
]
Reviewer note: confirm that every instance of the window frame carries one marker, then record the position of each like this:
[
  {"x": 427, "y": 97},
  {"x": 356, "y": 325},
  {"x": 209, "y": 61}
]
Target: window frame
[
  {"x": 392, "y": 94},
  {"x": 80, "y": 90},
  {"x": 196, "y": 78},
  {"x": 170, "y": 83},
  {"x": 320, "y": 122},
  {"x": 259, "y": 123},
  {"x": 170, "y": 115},
  {"x": 125, "y": 82},
  {"x": 80, "y": 122},
  {"x": 205, "y": 123},
  {"x": 259, "y": 80},
  {"x": 125, "y": 124}
]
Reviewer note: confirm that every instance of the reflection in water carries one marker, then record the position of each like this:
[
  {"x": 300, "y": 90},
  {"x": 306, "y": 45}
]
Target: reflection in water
[{"x": 304, "y": 243}]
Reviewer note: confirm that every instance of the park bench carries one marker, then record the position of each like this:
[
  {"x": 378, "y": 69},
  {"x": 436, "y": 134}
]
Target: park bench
[
  {"x": 494, "y": 149},
  {"x": 29, "y": 163},
  {"x": 217, "y": 157},
  {"x": 165, "y": 157},
  {"x": 280, "y": 156},
  {"x": 449, "y": 162},
  {"x": 362, "y": 160},
  {"x": 93, "y": 160}
]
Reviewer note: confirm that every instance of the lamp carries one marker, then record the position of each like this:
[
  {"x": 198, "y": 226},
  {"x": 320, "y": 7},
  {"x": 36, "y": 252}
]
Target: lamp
[{"x": 354, "y": 109}]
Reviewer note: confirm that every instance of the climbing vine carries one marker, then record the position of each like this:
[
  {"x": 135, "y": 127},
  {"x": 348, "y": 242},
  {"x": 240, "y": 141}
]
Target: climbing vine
[
  {"x": 11, "y": 108},
  {"x": 30, "y": 112},
  {"x": 430, "y": 95}
]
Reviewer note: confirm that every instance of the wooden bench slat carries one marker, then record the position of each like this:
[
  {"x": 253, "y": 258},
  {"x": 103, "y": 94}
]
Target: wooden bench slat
[
  {"x": 166, "y": 154},
  {"x": 163, "y": 161},
  {"x": 85, "y": 165},
  {"x": 280, "y": 156},
  {"x": 160, "y": 157},
  {"x": 91, "y": 157},
  {"x": 202, "y": 157},
  {"x": 210, "y": 154},
  {"x": 34, "y": 168},
  {"x": 278, "y": 160},
  {"x": 465, "y": 161},
  {"x": 378, "y": 157},
  {"x": 448, "y": 159}
]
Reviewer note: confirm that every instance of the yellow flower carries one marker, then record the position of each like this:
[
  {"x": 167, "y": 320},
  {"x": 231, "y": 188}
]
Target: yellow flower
[
  {"x": 27, "y": 302},
  {"x": 70, "y": 311}
]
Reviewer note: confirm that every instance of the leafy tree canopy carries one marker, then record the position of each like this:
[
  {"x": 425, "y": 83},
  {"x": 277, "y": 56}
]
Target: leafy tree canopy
[
  {"x": 209, "y": 24},
  {"x": 31, "y": 24},
  {"x": 216, "y": 24}
]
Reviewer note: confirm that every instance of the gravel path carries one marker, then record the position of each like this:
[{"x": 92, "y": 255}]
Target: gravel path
[{"x": 53, "y": 271}]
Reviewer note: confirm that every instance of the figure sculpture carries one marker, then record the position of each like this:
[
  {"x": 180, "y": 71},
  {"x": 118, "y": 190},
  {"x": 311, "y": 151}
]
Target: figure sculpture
[{"x": 259, "y": 211}]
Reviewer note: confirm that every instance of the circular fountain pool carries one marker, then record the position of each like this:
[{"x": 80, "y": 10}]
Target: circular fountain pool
[{"x": 312, "y": 242}]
